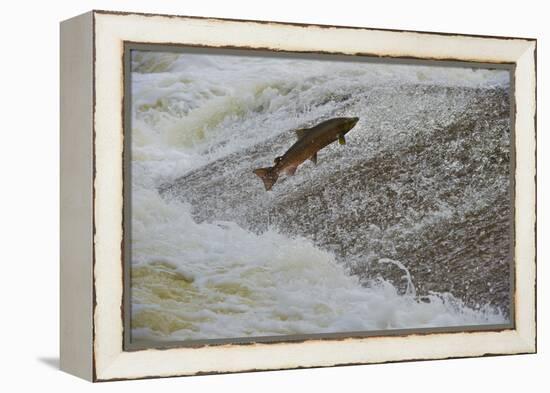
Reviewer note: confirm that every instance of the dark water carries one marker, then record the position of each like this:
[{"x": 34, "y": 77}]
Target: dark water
[{"x": 424, "y": 179}]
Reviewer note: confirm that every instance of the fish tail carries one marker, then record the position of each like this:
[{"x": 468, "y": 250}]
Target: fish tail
[{"x": 268, "y": 176}]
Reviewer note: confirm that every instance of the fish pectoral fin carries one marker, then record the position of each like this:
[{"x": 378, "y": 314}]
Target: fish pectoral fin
[
  {"x": 341, "y": 139},
  {"x": 313, "y": 158},
  {"x": 291, "y": 170},
  {"x": 301, "y": 133}
]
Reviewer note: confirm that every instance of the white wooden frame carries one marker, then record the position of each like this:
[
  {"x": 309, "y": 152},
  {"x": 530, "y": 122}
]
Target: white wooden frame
[{"x": 92, "y": 91}]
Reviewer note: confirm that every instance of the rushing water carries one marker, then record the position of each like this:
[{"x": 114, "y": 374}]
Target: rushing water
[{"x": 406, "y": 226}]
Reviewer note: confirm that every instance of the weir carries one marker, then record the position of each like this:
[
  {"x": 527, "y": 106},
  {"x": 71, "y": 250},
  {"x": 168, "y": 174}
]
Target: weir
[{"x": 423, "y": 181}]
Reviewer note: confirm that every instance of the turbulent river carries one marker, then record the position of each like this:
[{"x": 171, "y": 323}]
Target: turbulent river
[{"x": 405, "y": 226}]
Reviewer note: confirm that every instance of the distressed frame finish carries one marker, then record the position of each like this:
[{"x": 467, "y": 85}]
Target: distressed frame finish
[{"x": 92, "y": 189}]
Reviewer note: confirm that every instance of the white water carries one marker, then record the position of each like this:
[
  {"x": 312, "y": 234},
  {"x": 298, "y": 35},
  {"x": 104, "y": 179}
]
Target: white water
[{"x": 215, "y": 279}]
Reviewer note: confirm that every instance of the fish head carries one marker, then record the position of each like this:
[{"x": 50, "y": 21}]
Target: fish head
[{"x": 350, "y": 122}]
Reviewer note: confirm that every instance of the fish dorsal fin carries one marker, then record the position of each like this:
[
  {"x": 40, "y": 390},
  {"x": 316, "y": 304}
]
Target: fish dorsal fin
[
  {"x": 313, "y": 158},
  {"x": 300, "y": 133}
]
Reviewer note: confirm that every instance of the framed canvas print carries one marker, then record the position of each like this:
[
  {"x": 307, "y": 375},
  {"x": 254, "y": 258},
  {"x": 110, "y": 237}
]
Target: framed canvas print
[{"x": 245, "y": 195}]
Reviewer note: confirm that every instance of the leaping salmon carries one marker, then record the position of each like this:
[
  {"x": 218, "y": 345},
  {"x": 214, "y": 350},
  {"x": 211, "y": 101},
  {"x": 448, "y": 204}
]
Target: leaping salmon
[{"x": 310, "y": 141}]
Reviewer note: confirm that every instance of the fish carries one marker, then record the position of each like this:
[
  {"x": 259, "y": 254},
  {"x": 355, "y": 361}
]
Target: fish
[{"x": 310, "y": 141}]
